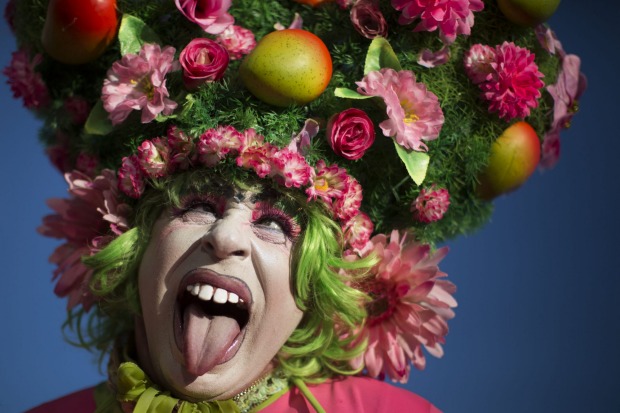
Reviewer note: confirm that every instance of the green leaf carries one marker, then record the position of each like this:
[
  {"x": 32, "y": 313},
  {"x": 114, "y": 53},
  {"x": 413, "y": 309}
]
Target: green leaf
[
  {"x": 415, "y": 162},
  {"x": 343, "y": 92},
  {"x": 133, "y": 33},
  {"x": 98, "y": 122},
  {"x": 380, "y": 54}
]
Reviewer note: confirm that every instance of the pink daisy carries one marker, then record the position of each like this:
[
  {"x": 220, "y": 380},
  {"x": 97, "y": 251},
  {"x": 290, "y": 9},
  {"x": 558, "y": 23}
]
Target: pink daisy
[
  {"x": 25, "y": 82},
  {"x": 410, "y": 306},
  {"x": 138, "y": 82},
  {"x": 451, "y": 17},
  {"x": 414, "y": 113}
]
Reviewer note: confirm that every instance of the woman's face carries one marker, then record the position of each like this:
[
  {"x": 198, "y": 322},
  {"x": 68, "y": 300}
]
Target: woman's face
[{"x": 216, "y": 297}]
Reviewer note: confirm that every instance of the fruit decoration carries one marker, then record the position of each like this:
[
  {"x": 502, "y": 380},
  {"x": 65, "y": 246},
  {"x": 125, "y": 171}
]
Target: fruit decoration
[{"x": 528, "y": 12}]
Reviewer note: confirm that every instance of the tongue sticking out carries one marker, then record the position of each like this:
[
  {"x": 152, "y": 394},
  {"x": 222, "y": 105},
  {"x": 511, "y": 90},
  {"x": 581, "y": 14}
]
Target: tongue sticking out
[{"x": 206, "y": 338}]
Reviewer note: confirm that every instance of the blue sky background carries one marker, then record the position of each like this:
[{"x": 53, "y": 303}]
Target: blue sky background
[{"x": 538, "y": 324}]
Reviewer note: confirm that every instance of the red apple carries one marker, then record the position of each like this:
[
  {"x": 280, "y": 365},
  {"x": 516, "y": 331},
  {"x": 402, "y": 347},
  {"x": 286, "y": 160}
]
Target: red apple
[
  {"x": 79, "y": 31},
  {"x": 528, "y": 12},
  {"x": 287, "y": 67},
  {"x": 514, "y": 157}
]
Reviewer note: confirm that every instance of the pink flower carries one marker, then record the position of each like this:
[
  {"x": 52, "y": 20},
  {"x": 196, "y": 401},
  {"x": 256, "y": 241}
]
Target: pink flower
[
  {"x": 357, "y": 232},
  {"x": 368, "y": 20},
  {"x": 203, "y": 61},
  {"x": 289, "y": 168},
  {"x": 25, "y": 82},
  {"x": 348, "y": 206},
  {"x": 130, "y": 177},
  {"x": 570, "y": 85},
  {"x": 478, "y": 62},
  {"x": 91, "y": 215},
  {"x": 431, "y": 204},
  {"x": 451, "y": 17},
  {"x": 297, "y": 23},
  {"x": 410, "y": 306},
  {"x": 328, "y": 182},
  {"x": 350, "y": 133},
  {"x": 182, "y": 153},
  {"x": 211, "y": 15},
  {"x": 255, "y": 153},
  {"x": 215, "y": 144},
  {"x": 513, "y": 86},
  {"x": 78, "y": 109},
  {"x": 138, "y": 82},
  {"x": 301, "y": 142},
  {"x": 548, "y": 40},
  {"x": 413, "y": 112},
  {"x": 237, "y": 40},
  {"x": 153, "y": 157},
  {"x": 87, "y": 164},
  {"x": 550, "y": 151},
  {"x": 431, "y": 59}
]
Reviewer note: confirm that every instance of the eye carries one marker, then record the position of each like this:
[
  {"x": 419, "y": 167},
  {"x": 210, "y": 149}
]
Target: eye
[
  {"x": 200, "y": 209},
  {"x": 269, "y": 218},
  {"x": 272, "y": 224}
]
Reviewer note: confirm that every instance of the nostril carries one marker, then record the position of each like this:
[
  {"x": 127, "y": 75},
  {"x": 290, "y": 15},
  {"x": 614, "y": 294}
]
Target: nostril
[{"x": 239, "y": 253}]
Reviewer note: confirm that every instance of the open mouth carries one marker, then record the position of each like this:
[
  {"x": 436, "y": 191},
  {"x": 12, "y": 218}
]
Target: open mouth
[{"x": 210, "y": 319}]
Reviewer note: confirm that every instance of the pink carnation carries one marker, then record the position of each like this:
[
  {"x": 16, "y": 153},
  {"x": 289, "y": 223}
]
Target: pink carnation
[
  {"x": 410, "y": 306},
  {"x": 237, "y": 40},
  {"x": 203, "y": 61},
  {"x": 215, "y": 144},
  {"x": 130, "y": 177},
  {"x": 25, "y": 82},
  {"x": 138, "y": 82},
  {"x": 328, "y": 182},
  {"x": 153, "y": 157},
  {"x": 357, "y": 232},
  {"x": 182, "y": 153},
  {"x": 349, "y": 204},
  {"x": 255, "y": 153},
  {"x": 513, "y": 86},
  {"x": 83, "y": 220},
  {"x": 431, "y": 204},
  {"x": 414, "y": 113},
  {"x": 451, "y": 17},
  {"x": 211, "y": 15},
  {"x": 478, "y": 62},
  {"x": 290, "y": 168}
]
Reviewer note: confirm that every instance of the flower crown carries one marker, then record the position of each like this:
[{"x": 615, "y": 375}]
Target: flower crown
[{"x": 144, "y": 90}]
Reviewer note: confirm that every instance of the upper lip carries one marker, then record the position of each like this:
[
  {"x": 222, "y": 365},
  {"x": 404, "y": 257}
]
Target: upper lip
[{"x": 217, "y": 280}]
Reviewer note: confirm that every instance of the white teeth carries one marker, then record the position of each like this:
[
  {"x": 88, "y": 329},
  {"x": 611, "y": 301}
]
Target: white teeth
[
  {"x": 206, "y": 292},
  {"x": 220, "y": 296}
]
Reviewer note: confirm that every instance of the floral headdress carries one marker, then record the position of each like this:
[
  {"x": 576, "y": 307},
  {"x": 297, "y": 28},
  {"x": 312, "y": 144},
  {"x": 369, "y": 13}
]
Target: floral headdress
[{"x": 404, "y": 135}]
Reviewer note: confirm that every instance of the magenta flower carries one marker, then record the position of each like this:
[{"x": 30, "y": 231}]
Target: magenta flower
[
  {"x": 215, "y": 144},
  {"x": 414, "y": 113},
  {"x": 368, "y": 20},
  {"x": 25, "y": 82},
  {"x": 451, "y": 17},
  {"x": 153, "y": 157},
  {"x": 237, "y": 40},
  {"x": 513, "y": 85},
  {"x": 211, "y": 15},
  {"x": 130, "y": 177},
  {"x": 357, "y": 232},
  {"x": 138, "y": 82},
  {"x": 203, "y": 61},
  {"x": 350, "y": 133},
  {"x": 289, "y": 168},
  {"x": 431, "y": 204},
  {"x": 410, "y": 306},
  {"x": 478, "y": 62},
  {"x": 88, "y": 220}
]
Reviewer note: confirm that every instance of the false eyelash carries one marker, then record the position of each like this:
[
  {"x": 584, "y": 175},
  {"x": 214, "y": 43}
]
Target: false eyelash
[
  {"x": 188, "y": 202},
  {"x": 264, "y": 210}
]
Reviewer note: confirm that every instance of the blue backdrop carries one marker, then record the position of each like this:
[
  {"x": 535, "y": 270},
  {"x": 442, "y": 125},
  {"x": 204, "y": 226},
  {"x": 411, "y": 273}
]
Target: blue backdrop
[{"x": 537, "y": 324}]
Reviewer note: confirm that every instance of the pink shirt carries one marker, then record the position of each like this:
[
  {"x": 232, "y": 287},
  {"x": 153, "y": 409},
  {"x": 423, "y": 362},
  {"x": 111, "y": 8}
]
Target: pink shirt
[{"x": 348, "y": 395}]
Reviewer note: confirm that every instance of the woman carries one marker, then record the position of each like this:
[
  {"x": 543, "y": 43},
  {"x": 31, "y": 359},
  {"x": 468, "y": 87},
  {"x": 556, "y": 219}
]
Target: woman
[{"x": 217, "y": 243}]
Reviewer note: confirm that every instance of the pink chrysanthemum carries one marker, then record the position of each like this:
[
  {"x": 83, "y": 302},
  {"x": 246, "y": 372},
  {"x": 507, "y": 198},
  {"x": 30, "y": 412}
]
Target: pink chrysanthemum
[
  {"x": 238, "y": 40},
  {"x": 357, "y": 232},
  {"x": 431, "y": 204},
  {"x": 25, "y": 82},
  {"x": 153, "y": 157},
  {"x": 130, "y": 177},
  {"x": 138, "y": 82},
  {"x": 328, "y": 182},
  {"x": 413, "y": 112},
  {"x": 478, "y": 62},
  {"x": 451, "y": 17},
  {"x": 289, "y": 168},
  {"x": 88, "y": 220},
  {"x": 410, "y": 306},
  {"x": 215, "y": 144},
  {"x": 513, "y": 87}
]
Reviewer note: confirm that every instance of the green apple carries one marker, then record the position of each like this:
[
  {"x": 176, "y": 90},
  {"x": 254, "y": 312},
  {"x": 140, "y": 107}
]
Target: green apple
[
  {"x": 287, "y": 67},
  {"x": 528, "y": 12},
  {"x": 514, "y": 157}
]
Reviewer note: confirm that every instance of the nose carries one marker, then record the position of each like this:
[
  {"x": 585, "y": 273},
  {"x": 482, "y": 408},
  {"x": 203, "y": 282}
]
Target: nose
[{"x": 228, "y": 237}]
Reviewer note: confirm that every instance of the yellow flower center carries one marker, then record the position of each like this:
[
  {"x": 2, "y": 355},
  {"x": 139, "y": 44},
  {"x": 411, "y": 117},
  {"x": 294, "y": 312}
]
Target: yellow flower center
[
  {"x": 410, "y": 115},
  {"x": 321, "y": 185}
]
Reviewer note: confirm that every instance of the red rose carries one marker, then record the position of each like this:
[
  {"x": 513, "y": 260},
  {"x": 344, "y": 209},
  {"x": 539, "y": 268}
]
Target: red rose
[
  {"x": 203, "y": 61},
  {"x": 368, "y": 20},
  {"x": 351, "y": 133}
]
